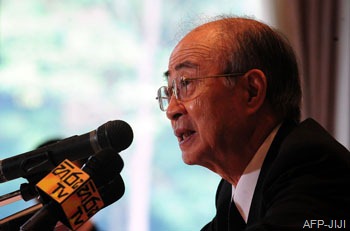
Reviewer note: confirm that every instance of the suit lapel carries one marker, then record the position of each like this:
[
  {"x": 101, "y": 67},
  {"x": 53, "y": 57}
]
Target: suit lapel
[
  {"x": 257, "y": 201},
  {"x": 236, "y": 221}
]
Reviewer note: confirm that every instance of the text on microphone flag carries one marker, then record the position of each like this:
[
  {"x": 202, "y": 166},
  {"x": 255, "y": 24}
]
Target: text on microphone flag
[{"x": 74, "y": 191}]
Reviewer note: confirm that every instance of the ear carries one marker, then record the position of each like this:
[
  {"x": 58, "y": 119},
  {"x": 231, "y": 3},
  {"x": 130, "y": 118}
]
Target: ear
[{"x": 256, "y": 85}]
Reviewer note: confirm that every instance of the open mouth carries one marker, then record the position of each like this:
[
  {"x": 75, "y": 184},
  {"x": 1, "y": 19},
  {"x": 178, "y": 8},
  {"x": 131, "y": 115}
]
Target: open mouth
[{"x": 185, "y": 135}]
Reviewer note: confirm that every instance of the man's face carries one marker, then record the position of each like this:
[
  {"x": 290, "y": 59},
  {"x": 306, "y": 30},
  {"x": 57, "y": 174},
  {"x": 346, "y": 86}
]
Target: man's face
[{"x": 206, "y": 125}]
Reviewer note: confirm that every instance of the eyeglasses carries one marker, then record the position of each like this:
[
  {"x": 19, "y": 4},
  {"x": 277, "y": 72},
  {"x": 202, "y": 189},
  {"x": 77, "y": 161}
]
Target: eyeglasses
[{"x": 184, "y": 89}]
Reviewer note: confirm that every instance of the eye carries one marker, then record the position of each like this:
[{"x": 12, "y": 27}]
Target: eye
[{"x": 184, "y": 82}]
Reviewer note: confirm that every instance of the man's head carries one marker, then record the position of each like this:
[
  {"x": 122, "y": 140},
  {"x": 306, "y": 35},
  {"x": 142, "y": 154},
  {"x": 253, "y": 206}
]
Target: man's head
[{"x": 219, "y": 118}]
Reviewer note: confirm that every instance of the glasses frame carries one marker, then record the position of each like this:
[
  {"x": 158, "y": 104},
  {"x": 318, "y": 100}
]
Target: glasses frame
[{"x": 183, "y": 79}]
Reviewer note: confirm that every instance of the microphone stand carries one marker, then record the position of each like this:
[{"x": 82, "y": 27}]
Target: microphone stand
[
  {"x": 14, "y": 221},
  {"x": 10, "y": 198},
  {"x": 41, "y": 220}
]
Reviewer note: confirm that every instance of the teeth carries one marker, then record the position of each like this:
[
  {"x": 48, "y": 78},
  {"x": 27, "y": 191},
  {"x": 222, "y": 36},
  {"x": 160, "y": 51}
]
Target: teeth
[{"x": 185, "y": 135}]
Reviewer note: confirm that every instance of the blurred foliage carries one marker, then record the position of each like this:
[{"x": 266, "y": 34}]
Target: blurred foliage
[{"x": 68, "y": 66}]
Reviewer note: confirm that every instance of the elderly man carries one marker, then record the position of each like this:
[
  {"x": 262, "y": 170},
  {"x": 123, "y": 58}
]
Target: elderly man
[{"x": 233, "y": 99}]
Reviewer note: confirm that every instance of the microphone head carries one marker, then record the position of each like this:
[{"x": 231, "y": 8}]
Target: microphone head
[
  {"x": 104, "y": 169},
  {"x": 116, "y": 134},
  {"x": 103, "y": 166}
]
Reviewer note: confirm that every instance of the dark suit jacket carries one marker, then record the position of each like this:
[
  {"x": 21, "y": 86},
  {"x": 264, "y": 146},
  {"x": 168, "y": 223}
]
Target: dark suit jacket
[{"x": 304, "y": 181}]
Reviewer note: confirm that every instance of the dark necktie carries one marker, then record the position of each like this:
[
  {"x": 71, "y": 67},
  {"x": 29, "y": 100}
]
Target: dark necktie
[{"x": 235, "y": 221}]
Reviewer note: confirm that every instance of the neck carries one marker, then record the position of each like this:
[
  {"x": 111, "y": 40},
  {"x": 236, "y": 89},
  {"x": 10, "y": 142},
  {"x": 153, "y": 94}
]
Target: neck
[{"x": 258, "y": 130}]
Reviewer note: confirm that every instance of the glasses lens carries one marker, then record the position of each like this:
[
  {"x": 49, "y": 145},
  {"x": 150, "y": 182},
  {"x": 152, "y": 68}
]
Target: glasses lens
[{"x": 163, "y": 98}]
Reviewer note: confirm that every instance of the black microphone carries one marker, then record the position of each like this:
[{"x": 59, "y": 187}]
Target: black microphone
[
  {"x": 78, "y": 206},
  {"x": 116, "y": 135}
]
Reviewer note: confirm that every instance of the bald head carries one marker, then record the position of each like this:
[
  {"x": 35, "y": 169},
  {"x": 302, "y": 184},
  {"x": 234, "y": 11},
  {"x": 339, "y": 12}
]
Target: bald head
[{"x": 239, "y": 44}]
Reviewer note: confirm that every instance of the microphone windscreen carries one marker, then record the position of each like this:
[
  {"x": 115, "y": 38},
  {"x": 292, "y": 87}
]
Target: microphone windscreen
[
  {"x": 103, "y": 166},
  {"x": 116, "y": 134}
]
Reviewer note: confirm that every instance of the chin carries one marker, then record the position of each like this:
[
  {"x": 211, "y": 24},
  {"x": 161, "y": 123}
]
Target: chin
[
  {"x": 192, "y": 158},
  {"x": 187, "y": 159}
]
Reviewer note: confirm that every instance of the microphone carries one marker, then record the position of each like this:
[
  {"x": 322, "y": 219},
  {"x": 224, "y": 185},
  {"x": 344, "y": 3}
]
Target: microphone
[
  {"x": 116, "y": 135},
  {"x": 78, "y": 200}
]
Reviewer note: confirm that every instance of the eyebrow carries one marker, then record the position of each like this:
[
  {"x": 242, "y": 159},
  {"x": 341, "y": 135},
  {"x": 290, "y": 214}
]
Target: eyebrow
[{"x": 185, "y": 64}]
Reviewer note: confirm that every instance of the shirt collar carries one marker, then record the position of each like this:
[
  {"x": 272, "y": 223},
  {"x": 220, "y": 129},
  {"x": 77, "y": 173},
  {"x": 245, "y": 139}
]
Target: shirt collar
[{"x": 242, "y": 194}]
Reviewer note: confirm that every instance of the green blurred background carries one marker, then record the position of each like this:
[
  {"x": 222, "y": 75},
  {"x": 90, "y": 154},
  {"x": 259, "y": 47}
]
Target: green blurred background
[{"x": 67, "y": 67}]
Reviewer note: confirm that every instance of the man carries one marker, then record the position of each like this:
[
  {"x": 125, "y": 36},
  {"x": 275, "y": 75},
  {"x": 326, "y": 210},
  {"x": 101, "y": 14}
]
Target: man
[{"x": 233, "y": 99}]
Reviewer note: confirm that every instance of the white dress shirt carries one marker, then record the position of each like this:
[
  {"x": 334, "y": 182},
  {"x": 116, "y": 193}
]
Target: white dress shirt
[{"x": 242, "y": 194}]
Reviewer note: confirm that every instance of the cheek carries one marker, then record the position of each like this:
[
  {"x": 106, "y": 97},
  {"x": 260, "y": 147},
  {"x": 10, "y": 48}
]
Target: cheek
[
  {"x": 207, "y": 115},
  {"x": 201, "y": 110},
  {"x": 215, "y": 115}
]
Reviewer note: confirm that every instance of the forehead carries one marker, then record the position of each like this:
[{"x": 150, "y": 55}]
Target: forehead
[{"x": 194, "y": 51}]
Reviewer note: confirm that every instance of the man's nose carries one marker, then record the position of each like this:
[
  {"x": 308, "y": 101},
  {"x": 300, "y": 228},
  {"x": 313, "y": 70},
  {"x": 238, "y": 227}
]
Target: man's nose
[{"x": 175, "y": 109}]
